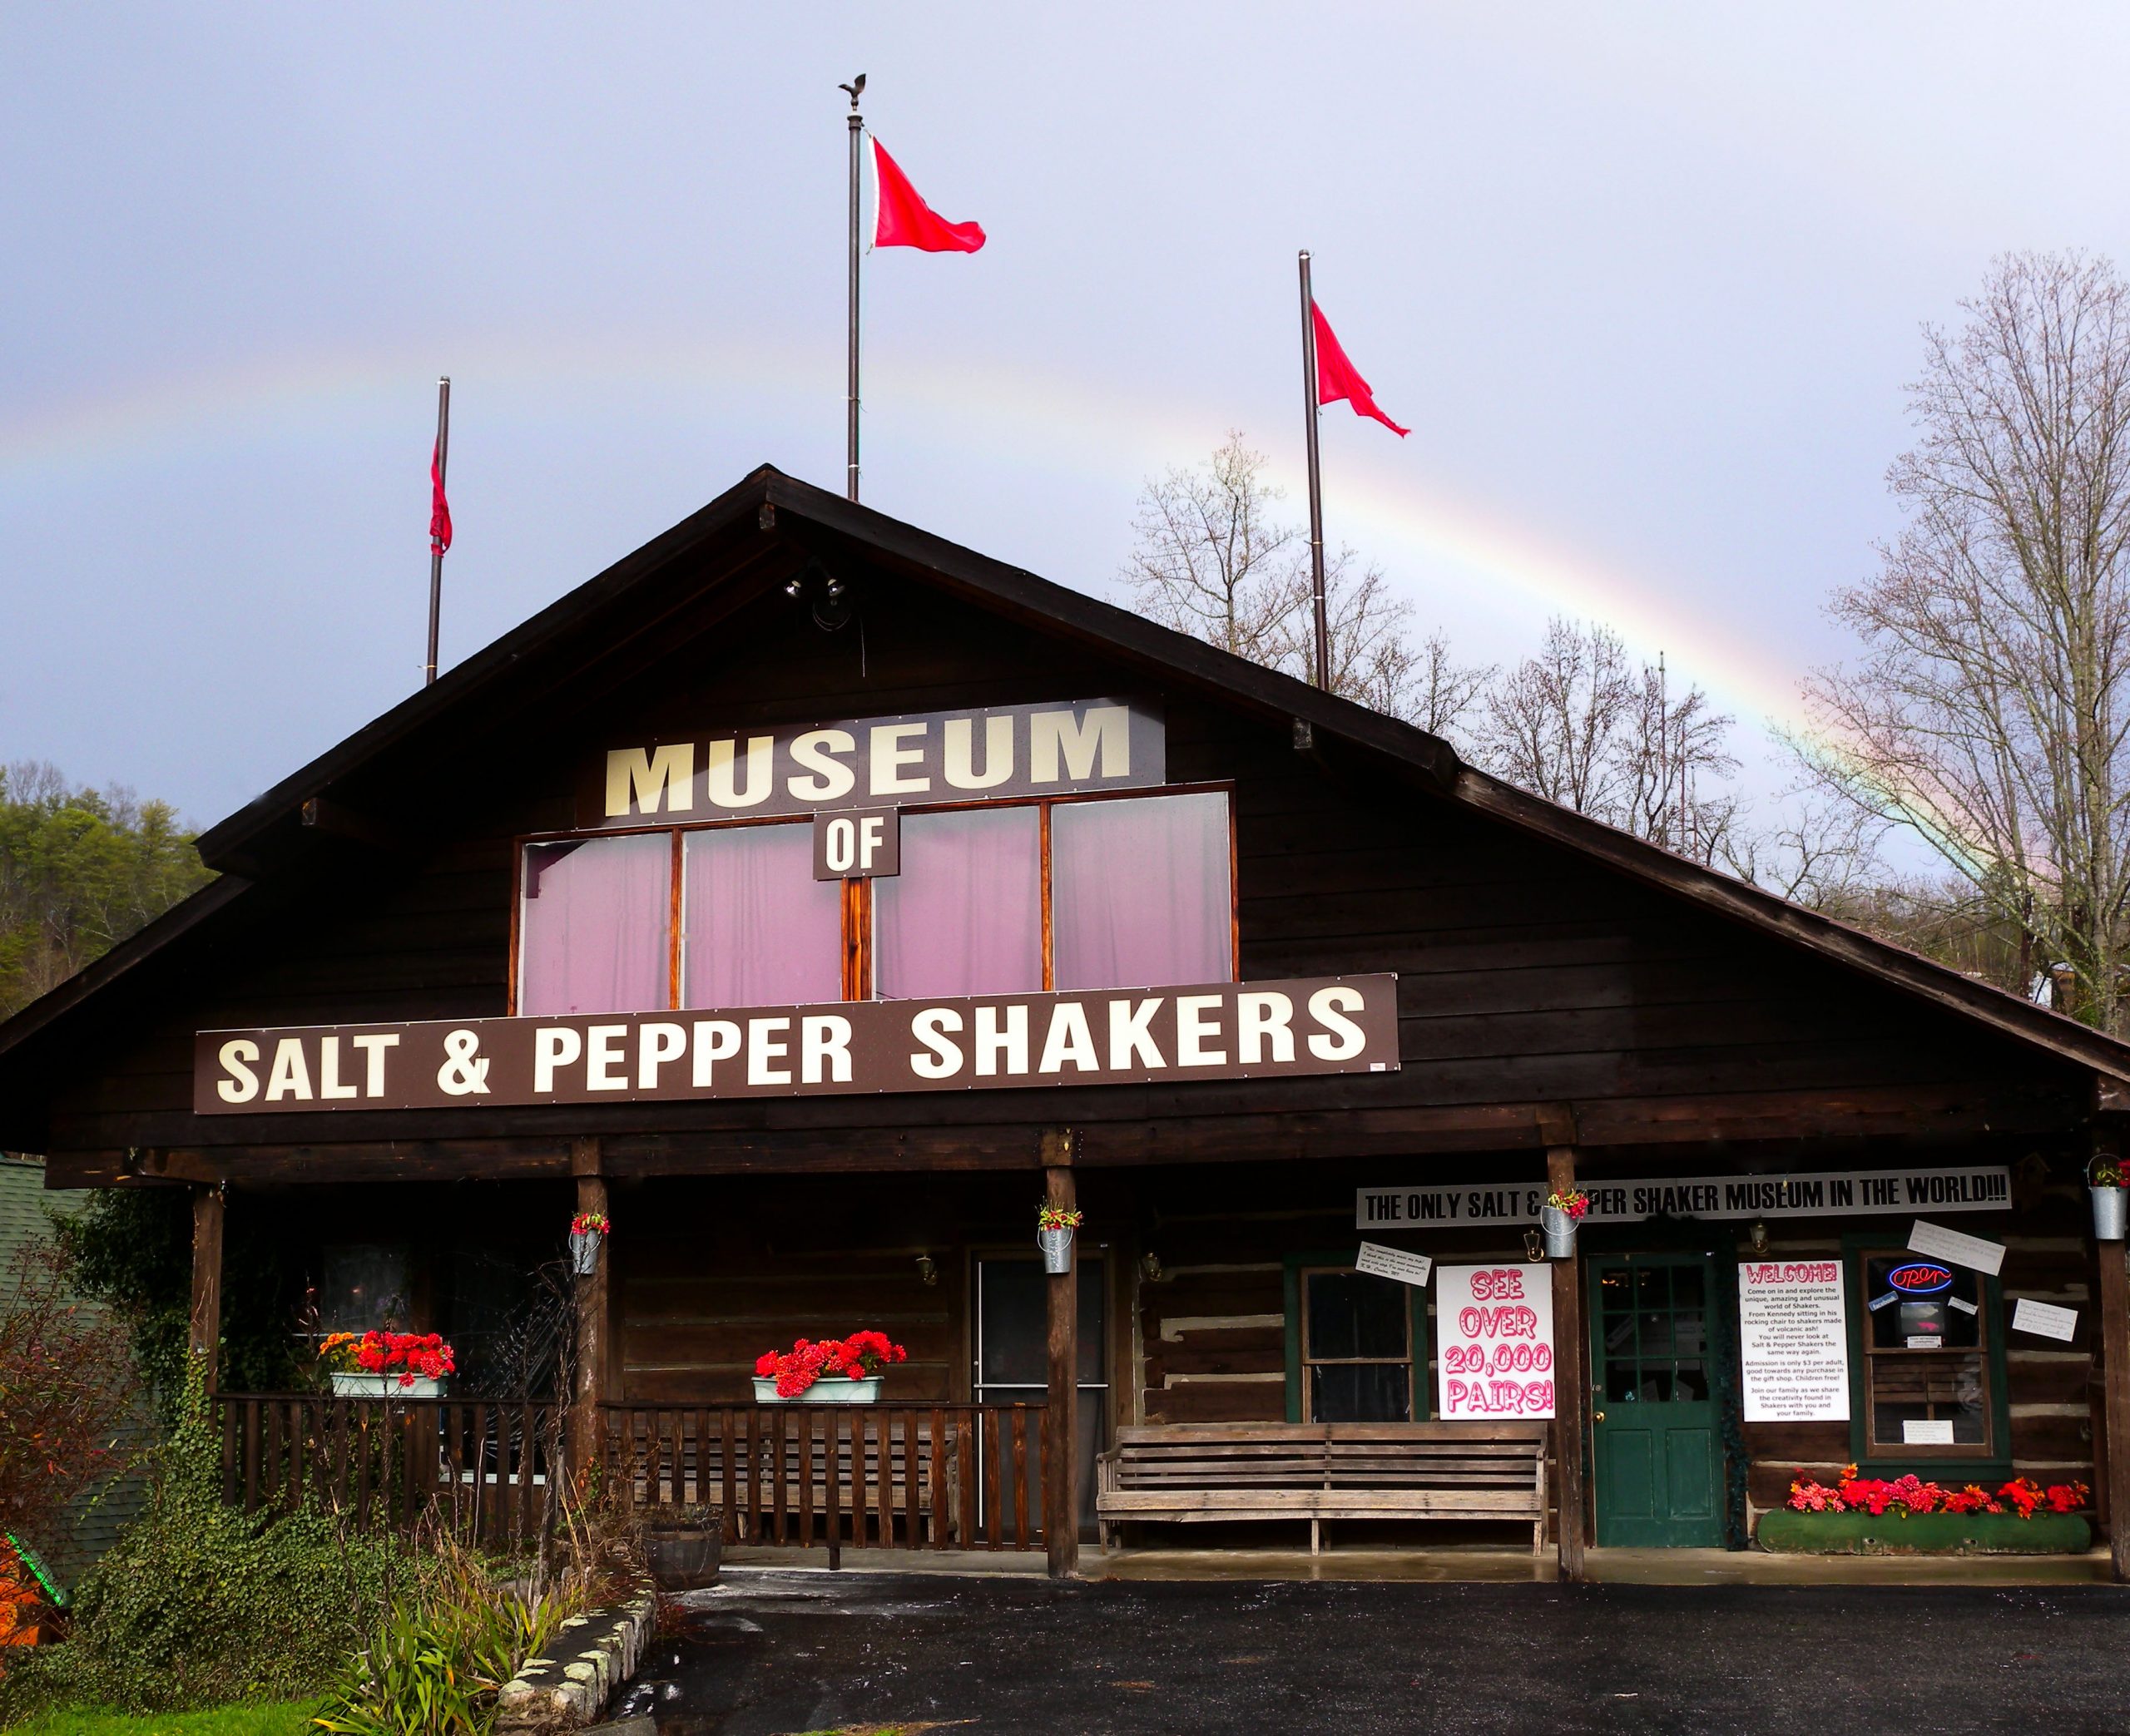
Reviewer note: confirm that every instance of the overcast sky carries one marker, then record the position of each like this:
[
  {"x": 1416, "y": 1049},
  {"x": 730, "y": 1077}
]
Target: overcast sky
[{"x": 1646, "y": 280}]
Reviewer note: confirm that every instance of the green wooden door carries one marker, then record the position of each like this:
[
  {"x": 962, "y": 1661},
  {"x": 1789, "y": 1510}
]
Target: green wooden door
[{"x": 1656, "y": 1444}]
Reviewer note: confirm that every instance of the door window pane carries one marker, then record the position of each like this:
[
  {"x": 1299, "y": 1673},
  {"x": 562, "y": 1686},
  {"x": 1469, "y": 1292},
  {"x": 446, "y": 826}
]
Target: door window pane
[
  {"x": 596, "y": 919},
  {"x": 964, "y": 917},
  {"x": 1139, "y": 892},
  {"x": 757, "y": 929}
]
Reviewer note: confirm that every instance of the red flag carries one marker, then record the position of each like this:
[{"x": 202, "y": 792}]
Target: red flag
[
  {"x": 1337, "y": 378},
  {"x": 904, "y": 220},
  {"x": 439, "y": 507}
]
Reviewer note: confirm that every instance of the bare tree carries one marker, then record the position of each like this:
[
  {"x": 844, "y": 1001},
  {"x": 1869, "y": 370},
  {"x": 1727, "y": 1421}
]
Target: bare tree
[
  {"x": 1987, "y": 714},
  {"x": 1674, "y": 764},
  {"x": 1822, "y": 853},
  {"x": 1212, "y": 559},
  {"x": 1209, "y": 560},
  {"x": 1551, "y": 723}
]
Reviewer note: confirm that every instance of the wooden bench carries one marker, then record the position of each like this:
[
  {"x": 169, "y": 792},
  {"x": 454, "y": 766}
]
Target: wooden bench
[{"x": 1199, "y": 1472}]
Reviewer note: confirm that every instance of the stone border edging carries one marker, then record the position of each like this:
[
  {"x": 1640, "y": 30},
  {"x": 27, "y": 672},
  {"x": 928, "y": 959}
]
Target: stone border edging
[{"x": 568, "y": 1686}]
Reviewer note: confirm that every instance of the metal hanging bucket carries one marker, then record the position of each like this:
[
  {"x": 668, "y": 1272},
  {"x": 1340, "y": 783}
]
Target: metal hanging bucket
[
  {"x": 1057, "y": 1246},
  {"x": 2110, "y": 1207},
  {"x": 1560, "y": 1233},
  {"x": 584, "y": 1251}
]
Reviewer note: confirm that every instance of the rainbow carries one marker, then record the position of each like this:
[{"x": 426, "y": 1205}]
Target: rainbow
[{"x": 957, "y": 408}]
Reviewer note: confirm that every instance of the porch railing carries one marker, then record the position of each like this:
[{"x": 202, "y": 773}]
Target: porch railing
[
  {"x": 480, "y": 1466},
  {"x": 914, "y": 1476}
]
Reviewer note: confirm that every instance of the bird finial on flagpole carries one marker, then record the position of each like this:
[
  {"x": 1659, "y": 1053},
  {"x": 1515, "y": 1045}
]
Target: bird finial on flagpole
[{"x": 857, "y": 89}]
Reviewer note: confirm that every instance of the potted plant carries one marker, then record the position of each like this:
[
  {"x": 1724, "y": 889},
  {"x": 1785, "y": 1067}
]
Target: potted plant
[
  {"x": 2109, "y": 1182},
  {"x": 386, "y": 1364},
  {"x": 1906, "y": 1515},
  {"x": 588, "y": 1231},
  {"x": 829, "y": 1371},
  {"x": 1053, "y": 1235},
  {"x": 1558, "y": 1216}
]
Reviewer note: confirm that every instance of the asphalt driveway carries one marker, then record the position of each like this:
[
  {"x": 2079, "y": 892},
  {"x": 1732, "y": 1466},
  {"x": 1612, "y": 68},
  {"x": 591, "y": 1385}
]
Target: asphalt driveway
[{"x": 765, "y": 1654}]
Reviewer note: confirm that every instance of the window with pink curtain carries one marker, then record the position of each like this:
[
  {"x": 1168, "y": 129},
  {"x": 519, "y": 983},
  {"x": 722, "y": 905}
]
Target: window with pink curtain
[
  {"x": 965, "y": 915},
  {"x": 594, "y": 926},
  {"x": 757, "y": 929},
  {"x": 1139, "y": 892}
]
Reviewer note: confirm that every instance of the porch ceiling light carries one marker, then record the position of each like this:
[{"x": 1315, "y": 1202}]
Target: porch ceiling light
[
  {"x": 928, "y": 1272},
  {"x": 1756, "y": 1237}
]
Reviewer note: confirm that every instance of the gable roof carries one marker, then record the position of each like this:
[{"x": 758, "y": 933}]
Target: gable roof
[{"x": 250, "y": 846}]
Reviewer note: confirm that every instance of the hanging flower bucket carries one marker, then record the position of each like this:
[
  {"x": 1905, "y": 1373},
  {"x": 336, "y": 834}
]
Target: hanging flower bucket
[
  {"x": 586, "y": 1231},
  {"x": 1053, "y": 1235},
  {"x": 2109, "y": 1185},
  {"x": 1558, "y": 1217}
]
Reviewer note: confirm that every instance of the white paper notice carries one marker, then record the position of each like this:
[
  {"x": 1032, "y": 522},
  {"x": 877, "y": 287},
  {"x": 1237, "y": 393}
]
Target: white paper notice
[
  {"x": 1408, "y": 1269},
  {"x": 1495, "y": 1329},
  {"x": 1914, "y": 1432},
  {"x": 1793, "y": 1342},
  {"x": 1941, "y": 1243},
  {"x": 2044, "y": 1319}
]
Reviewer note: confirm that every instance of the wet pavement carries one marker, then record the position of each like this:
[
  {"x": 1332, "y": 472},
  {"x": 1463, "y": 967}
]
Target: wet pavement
[{"x": 772, "y": 1654}]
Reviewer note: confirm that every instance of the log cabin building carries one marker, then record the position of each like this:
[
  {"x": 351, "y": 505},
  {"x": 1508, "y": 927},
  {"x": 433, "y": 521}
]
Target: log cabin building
[{"x": 816, "y": 896}]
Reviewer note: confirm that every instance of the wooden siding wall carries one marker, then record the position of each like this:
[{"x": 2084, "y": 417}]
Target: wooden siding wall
[{"x": 1529, "y": 974}]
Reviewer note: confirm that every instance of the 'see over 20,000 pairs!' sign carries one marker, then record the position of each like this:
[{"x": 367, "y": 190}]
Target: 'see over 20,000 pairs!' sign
[{"x": 1218, "y": 1031}]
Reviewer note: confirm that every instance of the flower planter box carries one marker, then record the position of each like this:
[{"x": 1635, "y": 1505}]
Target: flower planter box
[
  {"x": 358, "y": 1385},
  {"x": 829, "y": 1389},
  {"x": 1788, "y": 1532}
]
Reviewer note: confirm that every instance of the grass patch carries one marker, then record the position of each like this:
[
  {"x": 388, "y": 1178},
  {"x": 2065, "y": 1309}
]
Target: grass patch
[{"x": 290, "y": 1718}]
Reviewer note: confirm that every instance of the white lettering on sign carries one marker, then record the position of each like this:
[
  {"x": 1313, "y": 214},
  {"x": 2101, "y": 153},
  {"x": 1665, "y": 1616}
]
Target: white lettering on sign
[
  {"x": 1793, "y": 1341},
  {"x": 1381, "y": 1262},
  {"x": 2044, "y": 1319},
  {"x": 1942, "y": 1243},
  {"x": 996, "y": 752},
  {"x": 1494, "y": 1327},
  {"x": 1833, "y": 1193}
]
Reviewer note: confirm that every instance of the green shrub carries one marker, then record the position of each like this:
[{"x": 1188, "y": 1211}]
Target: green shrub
[{"x": 198, "y": 1603}]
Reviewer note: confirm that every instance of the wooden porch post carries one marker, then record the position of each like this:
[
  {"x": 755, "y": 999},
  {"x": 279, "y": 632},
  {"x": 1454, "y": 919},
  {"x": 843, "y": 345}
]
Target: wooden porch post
[
  {"x": 204, "y": 1334},
  {"x": 1571, "y": 1408},
  {"x": 1061, "y": 1517},
  {"x": 2115, "y": 1374},
  {"x": 592, "y": 1336}
]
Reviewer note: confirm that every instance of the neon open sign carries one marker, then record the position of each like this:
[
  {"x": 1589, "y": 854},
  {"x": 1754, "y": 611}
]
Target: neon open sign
[{"x": 1920, "y": 1279}]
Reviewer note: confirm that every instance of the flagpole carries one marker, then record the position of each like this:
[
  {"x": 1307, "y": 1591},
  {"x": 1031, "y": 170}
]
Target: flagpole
[
  {"x": 857, "y": 135},
  {"x": 1315, "y": 478},
  {"x": 436, "y": 553}
]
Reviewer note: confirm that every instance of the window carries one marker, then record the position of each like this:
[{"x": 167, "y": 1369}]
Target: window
[
  {"x": 594, "y": 925},
  {"x": 1653, "y": 1326},
  {"x": 364, "y": 1286},
  {"x": 964, "y": 917},
  {"x": 1926, "y": 1328},
  {"x": 757, "y": 929},
  {"x": 1011, "y": 897},
  {"x": 1140, "y": 894},
  {"x": 1354, "y": 1350}
]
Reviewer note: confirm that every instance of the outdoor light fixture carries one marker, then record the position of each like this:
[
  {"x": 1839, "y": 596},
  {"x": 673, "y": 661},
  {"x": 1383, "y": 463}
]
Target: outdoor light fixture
[
  {"x": 1533, "y": 1245},
  {"x": 928, "y": 1272},
  {"x": 1150, "y": 1268},
  {"x": 1756, "y": 1237},
  {"x": 792, "y": 588}
]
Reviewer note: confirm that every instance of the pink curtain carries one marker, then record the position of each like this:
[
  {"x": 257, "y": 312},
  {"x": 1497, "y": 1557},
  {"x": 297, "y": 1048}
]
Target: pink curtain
[
  {"x": 1139, "y": 892},
  {"x": 757, "y": 929},
  {"x": 965, "y": 915},
  {"x": 595, "y": 924}
]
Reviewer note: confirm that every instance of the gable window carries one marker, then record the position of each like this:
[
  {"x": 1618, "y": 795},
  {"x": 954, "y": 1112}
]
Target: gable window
[
  {"x": 1140, "y": 891},
  {"x": 757, "y": 929},
  {"x": 964, "y": 917},
  {"x": 1009, "y": 897},
  {"x": 595, "y": 923}
]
